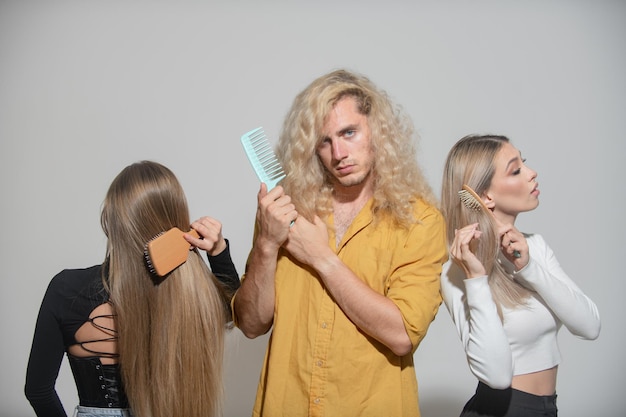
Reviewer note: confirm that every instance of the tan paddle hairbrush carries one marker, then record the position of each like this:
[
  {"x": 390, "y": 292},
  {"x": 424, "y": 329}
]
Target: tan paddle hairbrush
[
  {"x": 167, "y": 251},
  {"x": 472, "y": 201}
]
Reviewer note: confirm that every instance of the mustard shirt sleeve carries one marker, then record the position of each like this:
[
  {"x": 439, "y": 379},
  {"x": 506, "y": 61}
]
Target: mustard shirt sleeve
[{"x": 414, "y": 282}]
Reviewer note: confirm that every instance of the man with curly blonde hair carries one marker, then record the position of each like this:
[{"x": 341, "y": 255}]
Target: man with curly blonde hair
[{"x": 346, "y": 258}]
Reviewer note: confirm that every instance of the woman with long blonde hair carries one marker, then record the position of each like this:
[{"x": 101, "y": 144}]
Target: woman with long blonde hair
[
  {"x": 505, "y": 290},
  {"x": 138, "y": 345}
]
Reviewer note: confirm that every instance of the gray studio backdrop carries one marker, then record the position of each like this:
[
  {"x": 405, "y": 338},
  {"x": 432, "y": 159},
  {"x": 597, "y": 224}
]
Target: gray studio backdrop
[{"x": 87, "y": 87}]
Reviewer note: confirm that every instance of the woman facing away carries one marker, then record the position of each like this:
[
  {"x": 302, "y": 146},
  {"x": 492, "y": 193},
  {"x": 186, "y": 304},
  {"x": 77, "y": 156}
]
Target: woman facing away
[
  {"x": 137, "y": 345},
  {"x": 505, "y": 290}
]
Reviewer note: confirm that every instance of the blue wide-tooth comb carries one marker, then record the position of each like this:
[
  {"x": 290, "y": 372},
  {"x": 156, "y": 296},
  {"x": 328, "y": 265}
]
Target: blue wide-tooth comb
[{"x": 262, "y": 157}]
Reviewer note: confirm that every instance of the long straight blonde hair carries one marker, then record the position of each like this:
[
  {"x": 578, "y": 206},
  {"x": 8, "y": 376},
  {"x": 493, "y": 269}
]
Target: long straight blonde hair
[
  {"x": 471, "y": 162},
  {"x": 171, "y": 334}
]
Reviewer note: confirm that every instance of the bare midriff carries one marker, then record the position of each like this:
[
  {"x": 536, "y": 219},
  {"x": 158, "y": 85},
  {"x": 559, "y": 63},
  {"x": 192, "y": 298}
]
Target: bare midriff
[{"x": 537, "y": 383}]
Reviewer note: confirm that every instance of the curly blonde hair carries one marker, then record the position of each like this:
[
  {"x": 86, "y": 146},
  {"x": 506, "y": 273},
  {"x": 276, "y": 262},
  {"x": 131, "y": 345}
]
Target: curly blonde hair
[{"x": 398, "y": 180}]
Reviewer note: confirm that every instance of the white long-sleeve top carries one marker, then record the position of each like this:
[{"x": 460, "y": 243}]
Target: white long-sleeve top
[{"x": 525, "y": 340}]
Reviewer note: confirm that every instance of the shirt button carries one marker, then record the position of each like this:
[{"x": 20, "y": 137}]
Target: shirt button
[
  {"x": 316, "y": 401},
  {"x": 324, "y": 325},
  {"x": 319, "y": 363}
]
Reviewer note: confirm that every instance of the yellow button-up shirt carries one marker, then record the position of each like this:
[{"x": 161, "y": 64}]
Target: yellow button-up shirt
[{"x": 318, "y": 363}]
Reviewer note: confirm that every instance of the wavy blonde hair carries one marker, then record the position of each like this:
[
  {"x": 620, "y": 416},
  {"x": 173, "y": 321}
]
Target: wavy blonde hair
[
  {"x": 171, "y": 335},
  {"x": 398, "y": 180},
  {"x": 471, "y": 162}
]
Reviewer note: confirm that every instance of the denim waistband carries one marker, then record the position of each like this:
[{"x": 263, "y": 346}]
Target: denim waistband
[{"x": 101, "y": 412}]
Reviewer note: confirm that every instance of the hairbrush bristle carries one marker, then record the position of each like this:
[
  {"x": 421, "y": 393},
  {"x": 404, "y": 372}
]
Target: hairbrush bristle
[
  {"x": 147, "y": 257},
  {"x": 469, "y": 200}
]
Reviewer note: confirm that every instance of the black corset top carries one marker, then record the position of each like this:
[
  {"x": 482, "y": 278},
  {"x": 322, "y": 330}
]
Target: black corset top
[{"x": 98, "y": 385}]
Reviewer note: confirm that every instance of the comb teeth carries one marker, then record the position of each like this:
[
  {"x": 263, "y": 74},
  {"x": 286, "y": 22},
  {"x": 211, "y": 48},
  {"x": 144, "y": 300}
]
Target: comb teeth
[
  {"x": 469, "y": 200},
  {"x": 262, "y": 157}
]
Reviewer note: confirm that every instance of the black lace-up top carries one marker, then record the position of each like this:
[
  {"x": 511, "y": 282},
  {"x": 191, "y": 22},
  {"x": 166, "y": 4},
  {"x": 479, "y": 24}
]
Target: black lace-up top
[
  {"x": 99, "y": 385},
  {"x": 71, "y": 297}
]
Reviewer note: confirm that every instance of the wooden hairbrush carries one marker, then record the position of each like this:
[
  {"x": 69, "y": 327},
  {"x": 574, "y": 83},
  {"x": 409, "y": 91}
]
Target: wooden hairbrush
[
  {"x": 472, "y": 201},
  {"x": 167, "y": 251}
]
